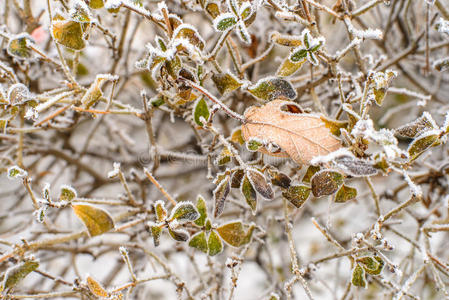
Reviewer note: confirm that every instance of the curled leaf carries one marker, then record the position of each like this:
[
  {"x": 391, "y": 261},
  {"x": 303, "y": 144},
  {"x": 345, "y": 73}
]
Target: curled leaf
[
  {"x": 161, "y": 211},
  {"x": 96, "y": 288},
  {"x": 96, "y": 220},
  {"x": 271, "y": 88},
  {"x": 301, "y": 136},
  {"x": 156, "y": 234},
  {"x": 69, "y": 34},
  {"x": 280, "y": 179},
  {"x": 422, "y": 143},
  {"x": 373, "y": 265},
  {"x": 179, "y": 235},
  {"x": 17, "y": 273},
  {"x": 220, "y": 194},
  {"x": 260, "y": 184},
  {"x": 249, "y": 193},
  {"x": 326, "y": 182}
]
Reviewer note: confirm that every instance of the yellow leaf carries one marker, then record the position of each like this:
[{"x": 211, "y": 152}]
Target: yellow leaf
[
  {"x": 96, "y": 288},
  {"x": 302, "y": 136},
  {"x": 97, "y": 220}
]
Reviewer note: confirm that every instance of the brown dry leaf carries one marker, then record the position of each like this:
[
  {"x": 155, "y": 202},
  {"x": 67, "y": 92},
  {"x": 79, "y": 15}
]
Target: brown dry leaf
[{"x": 301, "y": 136}]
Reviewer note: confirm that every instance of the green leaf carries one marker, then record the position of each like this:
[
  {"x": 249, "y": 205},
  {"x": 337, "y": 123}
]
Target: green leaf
[
  {"x": 253, "y": 145},
  {"x": 201, "y": 110},
  {"x": 67, "y": 193},
  {"x": 358, "y": 276},
  {"x": 208, "y": 225},
  {"x": 184, "y": 212},
  {"x": 272, "y": 88},
  {"x": 17, "y": 273},
  {"x": 224, "y": 22},
  {"x": 372, "y": 265},
  {"x": 69, "y": 34},
  {"x": 96, "y": 220},
  {"x": 334, "y": 126},
  {"x": 260, "y": 183},
  {"x": 289, "y": 67},
  {"x": 422, "y": 143},
  {"x": 16, "y": 172},
  {"x": 224, "y": 157},
  {"x": 297, "y": 194},
  {"x": 214, "y": 244},
  {"x": 226, "y": 82},
  {"x": 249, "y": 193},
  {"x": 156, "y": 233},
  {"x": 202, "y": 209},
  {"x": 17, "y": 46},
  {"x": 298, "y": 55},
  {"x": 345, "y": 193},
  {"x": 326, "y": 182},
  {"x": 179, "y": 235},
  {"x": 220, "y": 194},
  {"x": 233, "y": 233},
  {"x": 199, "y": 241},
  {"x": 161, "y": 212}
]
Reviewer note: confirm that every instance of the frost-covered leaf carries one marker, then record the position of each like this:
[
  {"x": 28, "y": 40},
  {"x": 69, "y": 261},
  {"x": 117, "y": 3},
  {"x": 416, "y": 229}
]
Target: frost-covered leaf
[
  {"x": 184, "y": 212},
  {"x": 326, "y": 182},
  {"x": 220, "y": 194},
  {"x": 237, "y": 137},
  {"x": 80, "y": 12},
  {"x": 179, "y": 235},
  {"x": 289, "y": 67},
  {"x": 67, "y": 193},
  {"x": 243, "y": 33},
  {"x": 202, "y": 210},
  {"x": 335, "y": 126},
  {"x": 224, "y": 157},
  {"x": 373, "y": 265},
  {"x": 354, "y": 166},
  {"x": 156, "y": 234},
  {"x": 95, "y": 4},
  {"x": 198, "y": 241},
  {"x": 297, "y": 194},
  {"x": 260, "y": 184},
  {"x": 214, "y": 244},
  {"x": 286, "y": 40},
  {"x": 16, "y": 172},
  {"x": 298, "y": 55},
  {"x": 234, "y": 234},
  {"x": 311, "y": 170},
  {"x": 94, "y": 93},
  {"x": 280, "y": 179},
  {"x": 422, "y": 143},
  {"x": 17, "y": 46},
  {"x": 190, "y": 33},
  {"x": 69, "y": 34},
  {"x": 96, "y": 288},
  {"x": 441, "y": 64},
  {"x": 418, "y": 126},
  {"x": 200, "y": 110},
  {"x": 224, "y": 22},
  {"x": 301, "y": 136},
  {"x": 345, "y": 193},
  {"x": 381, "y": 81},
  {"x": 17, "y": 273},
  {"x": 272, "y": 88},
  {"x": 96, "y": 220},
  {"x": 213, "y": 9},
  {"x": 249, "y": 193},
  {"x": 226, "y": 82},
  {"x": 358, "y": 276},
  {"x": 160, "y": 210},
  {"x": 254, "y": 145}
]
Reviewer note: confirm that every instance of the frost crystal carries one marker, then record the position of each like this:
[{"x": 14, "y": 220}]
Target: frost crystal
[
  {"x": 113, "y": 4},
  {"x": 443, "y": 26}
]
